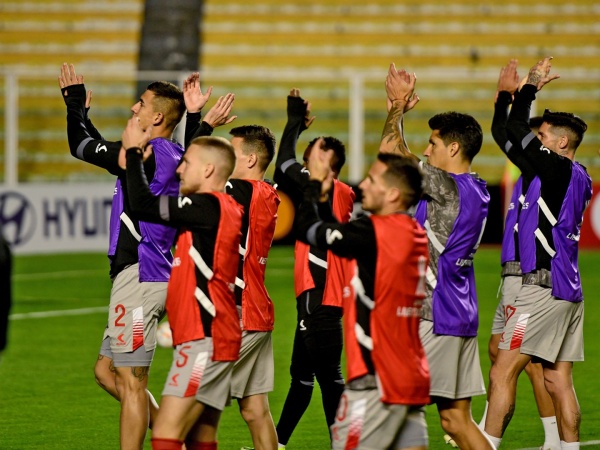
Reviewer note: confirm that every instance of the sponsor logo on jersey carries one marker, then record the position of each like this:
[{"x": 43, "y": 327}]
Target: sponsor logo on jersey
[
  {"x": 464, "y": 262},
  {"x": 101, "y": 148},
  {"x": 174, "y": 381},
  {"x": 408, "y": 311},
  {"x": 182, "y": 201},
  {"x": 332, "y": 235}
]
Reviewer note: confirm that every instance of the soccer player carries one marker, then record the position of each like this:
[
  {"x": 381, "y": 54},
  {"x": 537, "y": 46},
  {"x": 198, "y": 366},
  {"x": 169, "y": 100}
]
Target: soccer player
[
  {"x": 320, "y": 280},
  {"x": 508, "y": 83},
  {"x": 388, "y": 379},
  {"x": 200, "y": 300},
  {"x": 546, "y": 323},
  {"x": 139, "y": 252},
  {"x": 453, "y": 212},
  {"x": 253, "y": 372}
]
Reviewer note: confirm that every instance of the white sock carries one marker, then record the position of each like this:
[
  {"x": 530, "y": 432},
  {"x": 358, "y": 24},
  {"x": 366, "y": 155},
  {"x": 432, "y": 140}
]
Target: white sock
[
  {"x": 481, "y": 424},
  {"x": 552, "y": 438},
  {"x": 280, "y": 445},
  {"x": 494, "y": 440},
  {"x": 569, "y": 445}
]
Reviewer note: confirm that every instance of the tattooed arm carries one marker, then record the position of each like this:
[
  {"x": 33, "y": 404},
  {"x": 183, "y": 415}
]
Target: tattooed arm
[
  {"x": 401, "y": 98},
  {"x": 539, "y": 75}
]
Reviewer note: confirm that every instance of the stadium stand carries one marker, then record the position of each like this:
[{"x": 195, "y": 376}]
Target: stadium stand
[{"x": 260, "y": 50}]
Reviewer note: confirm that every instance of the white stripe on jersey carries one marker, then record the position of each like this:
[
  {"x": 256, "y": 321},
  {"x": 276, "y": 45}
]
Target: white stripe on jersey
[
  {"x": 205, "y": 302},
  {"x": 433, "y": 238},
  {"x": 546, "y": 211},
  {"x": 359, "y": 289},
  {"x": 318, "y": 261},
  {"x": 544, "y": 242},
  {"x": 240, "y": 283},
  {"x": 362, "y": 337},
  {"x": 200, "y": 264},
  {"x": 431, "y": 277},
  {"x": 130, "y": 226}
]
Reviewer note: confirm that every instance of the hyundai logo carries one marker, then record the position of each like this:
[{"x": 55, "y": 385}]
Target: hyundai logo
[{"x": 17, "y": 217}]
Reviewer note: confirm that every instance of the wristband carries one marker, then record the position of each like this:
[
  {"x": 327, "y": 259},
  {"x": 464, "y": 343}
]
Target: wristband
[{"x": 138, "y": 150}]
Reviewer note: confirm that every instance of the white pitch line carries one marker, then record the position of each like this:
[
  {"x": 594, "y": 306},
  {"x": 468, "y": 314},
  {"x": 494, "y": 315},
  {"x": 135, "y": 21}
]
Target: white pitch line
[
  {"x": 59, "y": 313},
  {"x": 582, "y": 444}
]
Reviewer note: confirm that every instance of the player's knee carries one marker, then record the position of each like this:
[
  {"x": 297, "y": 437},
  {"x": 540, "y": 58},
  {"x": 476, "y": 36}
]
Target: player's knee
[
  {"x": 534, "y": 371},
  {"x": 500, "y": 375},
  {"x": 329, "y": 374},
  {"x": 302, "y": 383},
  {"x": 556, "y": 384},
  {"x": 300, "y": 373},
  {"x": 104, "y": 376},
  {"x": 132, "y": 380},
  {"x": 493, "y": 349},
  {"x": 454, "y": 421},
  {"x": 449, "y": 424},
  {"x": 255, "y": 412}
]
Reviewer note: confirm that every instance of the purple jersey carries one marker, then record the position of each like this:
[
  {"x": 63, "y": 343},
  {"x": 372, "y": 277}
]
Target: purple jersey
[
  {"x": 155, "y": 240},
  {"x": 509, "y": 250},
  {"x": 528, "y": 224},
  {"x": 566, "y": 280},
  {"x": 454, "y": 307},
  {"x": 563, "y": 245}
]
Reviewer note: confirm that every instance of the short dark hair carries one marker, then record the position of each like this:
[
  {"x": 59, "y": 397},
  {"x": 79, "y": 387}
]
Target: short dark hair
[
  {"x": 223, "y": 148},
  {"x": 573, "y": 125},
  {"x": 339, "y": 150},
  {"x": 536, "y": 122},
  {"x": 257, "y": 139},
  {"x": 403, "y": 172},
  {"x": 168, "y": 100},
  {"x": 458, "y": 127}
]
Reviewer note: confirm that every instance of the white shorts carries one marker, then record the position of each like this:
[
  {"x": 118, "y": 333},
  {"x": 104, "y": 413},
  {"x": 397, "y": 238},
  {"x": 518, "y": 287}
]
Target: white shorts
[
  {"x": 253, "y": 372},
  {"x": 133, "y": 315},
  {"x": 453, "y": 364},
  {"x": 511, "y": 285},
  {"x": 547, "y": 328},
  {"x": 364, "y": 422},
  {"x": 194, "y": 373}
]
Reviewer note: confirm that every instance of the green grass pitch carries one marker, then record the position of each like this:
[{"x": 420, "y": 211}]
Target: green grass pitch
[{"x": 49, "y": 400}]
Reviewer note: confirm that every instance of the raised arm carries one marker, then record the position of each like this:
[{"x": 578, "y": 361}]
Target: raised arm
[
  {"x": 218, "y": 115},
  {"x": 518, "y": 120},
  {"x": 192, "y": 93},
  {"x": 197, "y": 211},
  {"x": 508, "y": 83},
  {"x": 316, "y": 224},
  {"x": 85, "y": 143},
  {"x": 547, "y": 164},
  {"x": 401, "y": 98},
  {"x": 298, "y": 120}
]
